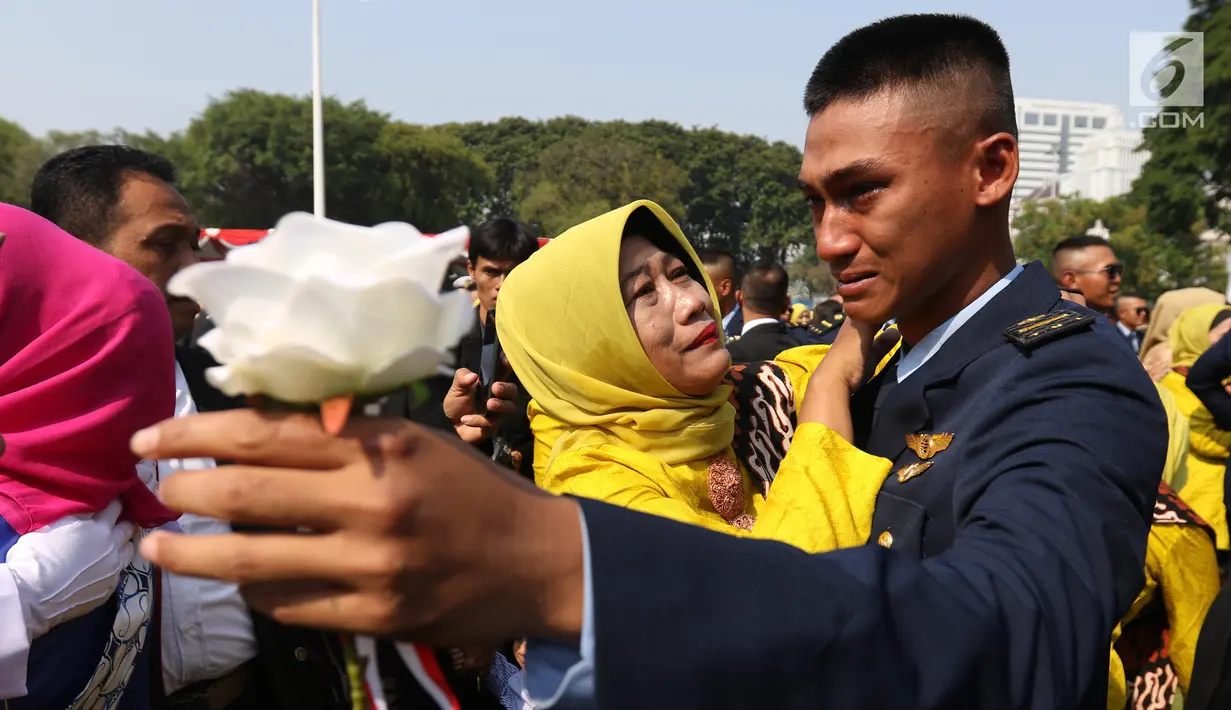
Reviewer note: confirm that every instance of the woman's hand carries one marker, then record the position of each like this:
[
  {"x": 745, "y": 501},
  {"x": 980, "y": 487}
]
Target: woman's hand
[
  {"x": 849, "y": 364},
  {"x": 852, "y": 360}
]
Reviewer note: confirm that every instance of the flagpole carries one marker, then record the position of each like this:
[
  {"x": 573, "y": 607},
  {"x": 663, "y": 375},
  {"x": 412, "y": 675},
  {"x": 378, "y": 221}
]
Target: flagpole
[{"x": 318, "y": 119}]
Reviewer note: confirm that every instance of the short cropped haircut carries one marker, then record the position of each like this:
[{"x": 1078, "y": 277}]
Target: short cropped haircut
[
  {"x": 765, "y": 288},
  {"x": 79, "y": 189},
  {"x": 940, "y": 55},
  {"x": 1081, "y": 241},
  {"x": 721, "y": 259}
]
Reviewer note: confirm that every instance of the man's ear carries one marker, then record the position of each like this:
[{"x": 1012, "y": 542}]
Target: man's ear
[{"x": 739, "y": 298}]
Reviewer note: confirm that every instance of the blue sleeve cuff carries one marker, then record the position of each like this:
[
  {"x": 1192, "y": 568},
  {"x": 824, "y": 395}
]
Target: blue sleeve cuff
[{"x": 560, "y": 675}]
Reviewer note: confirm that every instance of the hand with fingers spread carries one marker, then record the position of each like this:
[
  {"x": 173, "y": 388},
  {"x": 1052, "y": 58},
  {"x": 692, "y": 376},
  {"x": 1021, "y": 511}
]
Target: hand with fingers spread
[
  {"x": 414, "y": 536},
  {"x": 459, "y": 406}
]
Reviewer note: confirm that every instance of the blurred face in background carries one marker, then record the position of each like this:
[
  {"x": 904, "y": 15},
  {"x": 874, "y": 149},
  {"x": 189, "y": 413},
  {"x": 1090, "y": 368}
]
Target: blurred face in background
[{"x": 1133, "y": 312}]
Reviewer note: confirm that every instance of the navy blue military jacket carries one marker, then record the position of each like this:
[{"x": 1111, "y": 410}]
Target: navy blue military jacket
[{"x": 1012, "y": 555}]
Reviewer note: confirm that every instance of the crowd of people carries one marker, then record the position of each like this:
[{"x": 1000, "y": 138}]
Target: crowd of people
[{"x": 961, "y": 482}]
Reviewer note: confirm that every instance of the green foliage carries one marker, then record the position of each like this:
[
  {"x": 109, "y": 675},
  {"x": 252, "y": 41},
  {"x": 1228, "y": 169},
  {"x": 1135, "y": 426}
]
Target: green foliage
[
  {"x": 1183, "y": 191},
  {"x": 584, "y": 176},
  {"x": 1152, "y": 264},
  {"x": 246, "y": 160},
  {"x": 15, "y": 148},
  {"x": 809, "y": 270},
  {"x": 1185, "y": 184},
  {"x": 432, "y": 178},
  {"x": 249, "y": 159}
]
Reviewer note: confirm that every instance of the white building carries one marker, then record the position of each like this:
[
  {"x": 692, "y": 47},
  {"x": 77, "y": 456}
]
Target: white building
[
  {"x": 1106, "y": 166},
  {"x": 1051, "y": 133}
]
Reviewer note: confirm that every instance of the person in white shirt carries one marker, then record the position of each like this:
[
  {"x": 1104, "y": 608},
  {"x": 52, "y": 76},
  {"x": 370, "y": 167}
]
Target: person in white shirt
[{"x": 124, "y": 202}]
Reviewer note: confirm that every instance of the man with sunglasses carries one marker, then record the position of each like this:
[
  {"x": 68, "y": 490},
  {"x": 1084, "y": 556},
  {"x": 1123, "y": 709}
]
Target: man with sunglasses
[
  {"x": 1132, "y": 315},
  {"x": 1087, "y": 264}
]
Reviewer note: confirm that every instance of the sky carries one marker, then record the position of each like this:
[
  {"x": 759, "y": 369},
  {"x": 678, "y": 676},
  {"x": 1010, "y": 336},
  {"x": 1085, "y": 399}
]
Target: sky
[{"x": 740, "y": 66}]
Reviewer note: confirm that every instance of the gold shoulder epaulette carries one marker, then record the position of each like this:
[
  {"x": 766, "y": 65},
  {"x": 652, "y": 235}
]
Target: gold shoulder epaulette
[
  {"x": 823, "y": 326},
  {"x": 1046, "y": 327}
]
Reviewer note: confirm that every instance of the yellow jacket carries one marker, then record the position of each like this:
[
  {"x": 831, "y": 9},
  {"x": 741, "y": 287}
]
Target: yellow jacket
[
  {"x": 1180, "y": 565},
  {"x": 1206, "y": 461},
  {"x": 822, "y": 498}
]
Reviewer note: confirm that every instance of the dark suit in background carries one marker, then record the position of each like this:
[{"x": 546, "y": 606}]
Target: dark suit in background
[
  {"x": 1001, "y": 570},
  {"x": 767, "y": 340}
]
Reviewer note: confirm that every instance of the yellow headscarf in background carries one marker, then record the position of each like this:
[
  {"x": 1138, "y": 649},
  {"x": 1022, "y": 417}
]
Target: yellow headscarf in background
[
  {"x": 1190, "y": 335},
  {"x": 1208, "y": 446},
  {"x": 1168, "y": 308},
  {"x": 566, "y": 332}
]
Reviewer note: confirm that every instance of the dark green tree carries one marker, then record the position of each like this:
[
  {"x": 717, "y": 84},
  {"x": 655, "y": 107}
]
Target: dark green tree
[
  {"x": 248, "y": 159},
  {"x": 20, "y": 156},
  {"x": 432, "y": 180},
  {"x": 581, "y": 177},
  {"x": 1186, "y": 182}
]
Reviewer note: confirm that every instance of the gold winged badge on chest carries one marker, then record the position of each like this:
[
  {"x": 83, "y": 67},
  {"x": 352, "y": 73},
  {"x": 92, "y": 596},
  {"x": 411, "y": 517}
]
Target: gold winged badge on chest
[{"x": 925, "y": 447}]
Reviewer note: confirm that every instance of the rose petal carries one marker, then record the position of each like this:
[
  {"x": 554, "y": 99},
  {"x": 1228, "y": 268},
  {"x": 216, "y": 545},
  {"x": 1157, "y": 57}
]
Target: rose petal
[
  {"x": 303, "y": 375},
  {"x": 321, "y": 308},
  {"x": 223, "y": 288}
]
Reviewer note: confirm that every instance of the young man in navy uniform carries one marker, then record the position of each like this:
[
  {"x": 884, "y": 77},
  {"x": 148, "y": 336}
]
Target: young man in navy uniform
[{"x": 1026, "y": 457}]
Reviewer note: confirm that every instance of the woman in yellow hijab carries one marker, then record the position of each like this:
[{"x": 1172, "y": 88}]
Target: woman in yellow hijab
[
  {"x": 1155, "y": 350},
  {"x": 1154, "y": 646},
  {"x": 612, "y": 331},
  {"x": 1209, "y": 446}
]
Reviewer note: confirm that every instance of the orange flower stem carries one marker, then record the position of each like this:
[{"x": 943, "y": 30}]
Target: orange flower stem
[{"x": 335, "y": 412}]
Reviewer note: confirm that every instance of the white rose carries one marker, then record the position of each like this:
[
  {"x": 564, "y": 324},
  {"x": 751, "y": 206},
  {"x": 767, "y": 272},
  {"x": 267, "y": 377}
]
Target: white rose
[{"x": 321, "y": 309}]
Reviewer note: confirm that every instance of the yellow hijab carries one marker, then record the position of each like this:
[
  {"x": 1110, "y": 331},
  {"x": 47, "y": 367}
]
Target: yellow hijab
[
  {"x": 1169, "y": 307},
  {"x": 566, "y": 332},
  {"x": 1190, "y": 334}
]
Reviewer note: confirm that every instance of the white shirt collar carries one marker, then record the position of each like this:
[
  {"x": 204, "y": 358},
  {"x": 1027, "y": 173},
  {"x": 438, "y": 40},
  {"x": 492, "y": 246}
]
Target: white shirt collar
[
  {"x": 749, "y": 325},
  {"x": 930, "y": 343},
  {"x": 1125, "y": 329},
  {"x": 726, "y": 320}
]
